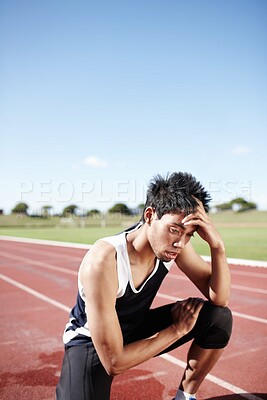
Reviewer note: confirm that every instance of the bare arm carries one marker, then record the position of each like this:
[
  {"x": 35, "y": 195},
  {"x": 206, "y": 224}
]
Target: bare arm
[
  {"x": 213, "y": 281},
  {"x": 99, "y": 278}
]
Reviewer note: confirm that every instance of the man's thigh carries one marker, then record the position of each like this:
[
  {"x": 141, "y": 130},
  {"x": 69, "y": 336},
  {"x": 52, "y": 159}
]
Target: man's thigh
[{"x": 82, "y": 376}]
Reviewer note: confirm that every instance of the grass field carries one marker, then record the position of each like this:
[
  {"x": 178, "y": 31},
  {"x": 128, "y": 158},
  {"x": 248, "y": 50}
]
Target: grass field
[{"x": 245, "y": 234}]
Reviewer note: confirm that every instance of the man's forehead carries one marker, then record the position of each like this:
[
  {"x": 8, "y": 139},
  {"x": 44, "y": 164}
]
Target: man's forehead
[
  {"x": 176, "y": 220},
  {"x": 175, "y": 217},
  {"x": 189, "y": 228}
]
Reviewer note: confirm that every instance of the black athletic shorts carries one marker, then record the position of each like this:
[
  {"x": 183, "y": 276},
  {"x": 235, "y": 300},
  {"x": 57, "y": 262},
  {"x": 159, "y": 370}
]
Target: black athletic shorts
[{"x": 84, "y": 378}]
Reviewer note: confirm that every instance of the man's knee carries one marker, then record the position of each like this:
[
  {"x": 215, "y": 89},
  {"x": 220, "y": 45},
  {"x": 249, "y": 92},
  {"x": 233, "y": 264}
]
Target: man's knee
[{"x": 214, "y": 326}]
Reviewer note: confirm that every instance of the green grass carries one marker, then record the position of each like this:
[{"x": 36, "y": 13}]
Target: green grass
[
  {"x": 75, "y": 235},
  {"x": 245, "y": 237},
  {"x": 7, "y": 221},
  {"x": 248, "y": 243},
  {"x": 249, "y": 217}
]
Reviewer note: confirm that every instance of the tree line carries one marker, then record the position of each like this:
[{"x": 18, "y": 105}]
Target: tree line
[
  {"x": 73, "y": 209},
  {"x": 238, "y": 204}
]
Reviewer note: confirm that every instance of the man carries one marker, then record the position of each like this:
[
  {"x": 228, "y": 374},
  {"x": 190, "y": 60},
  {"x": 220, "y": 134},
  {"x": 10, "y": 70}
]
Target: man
[{"x": 112, "y": 327}]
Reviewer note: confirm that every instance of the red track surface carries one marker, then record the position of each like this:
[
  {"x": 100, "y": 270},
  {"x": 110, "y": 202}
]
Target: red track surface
[{"x": 39, "y": 284}]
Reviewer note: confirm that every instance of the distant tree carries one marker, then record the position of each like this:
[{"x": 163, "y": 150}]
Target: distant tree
[
  {"x": 46, "y": 210},
  {"x": 93, "y": 212},
  {"x": 224, "y": 207},
  {"x": 238, "y": 200},
  {"x": 251, "y": 205},
  {"x": 20, "y": 208},
  {"x": 239, "y": 204},
  {"x": 70, "y": 210},
  {"x": 120, "y": 208}
]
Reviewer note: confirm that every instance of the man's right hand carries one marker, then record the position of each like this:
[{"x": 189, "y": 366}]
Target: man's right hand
[{"x": 185, "y": 314}]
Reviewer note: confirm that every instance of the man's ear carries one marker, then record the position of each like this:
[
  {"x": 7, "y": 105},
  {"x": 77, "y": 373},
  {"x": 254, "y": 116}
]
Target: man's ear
[{"x": 148, "y": 214}]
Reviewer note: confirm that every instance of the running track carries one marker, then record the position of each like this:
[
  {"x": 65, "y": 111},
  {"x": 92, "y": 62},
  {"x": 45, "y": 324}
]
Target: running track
[{"x": 38, "y": 287}]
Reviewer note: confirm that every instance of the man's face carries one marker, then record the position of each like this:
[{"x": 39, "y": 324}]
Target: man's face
[{"x": 168, "y": 236}]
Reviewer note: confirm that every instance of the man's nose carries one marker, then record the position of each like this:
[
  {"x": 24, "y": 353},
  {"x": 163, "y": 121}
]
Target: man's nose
[{"x": 179, "y": 243}]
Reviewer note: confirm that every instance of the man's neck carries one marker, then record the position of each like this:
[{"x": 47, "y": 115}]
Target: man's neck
[{"x": 139, "y": 249}]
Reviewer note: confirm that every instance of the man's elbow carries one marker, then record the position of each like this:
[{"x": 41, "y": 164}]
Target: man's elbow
[
  {"x": 220, "y": 303},
  {"x": 113, "y": 368},
  {"x": 219, "y": 299},
  {"x": 111, "y": 358},
  {"x": 113, "y": 371},
  {"x": 114, "y": 363}
]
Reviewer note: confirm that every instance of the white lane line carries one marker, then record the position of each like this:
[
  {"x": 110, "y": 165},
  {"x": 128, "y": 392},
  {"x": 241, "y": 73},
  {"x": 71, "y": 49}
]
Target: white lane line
[
  {"x": 167, "y": 357},
  {"x": 250, "y": 317},
  {"x": 35, "y": 293},
  {"x": 249, "y": 289},
  {"x": 39, "y": 263},
  {"x": 246, "y": 273},
  {"x": 45, "y": 242},
  {"x": 56, "y": 254},
  {"x": 233, "y": 286},
  {"x": 214, "y": 379},
  {"x": 235, "y": 261},
  {"x": 162, "y": 295},
  {"x": 241, "y": 261},
  {"x": 235, "y": 313}
]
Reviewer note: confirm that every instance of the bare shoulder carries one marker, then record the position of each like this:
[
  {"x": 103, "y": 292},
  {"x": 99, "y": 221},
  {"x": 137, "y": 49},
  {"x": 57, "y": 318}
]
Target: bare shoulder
[{"x": 98, "y": 259}]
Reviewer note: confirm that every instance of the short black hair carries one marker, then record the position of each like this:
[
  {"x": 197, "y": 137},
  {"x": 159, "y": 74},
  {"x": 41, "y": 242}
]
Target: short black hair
[{"x": 173, "y": 194}]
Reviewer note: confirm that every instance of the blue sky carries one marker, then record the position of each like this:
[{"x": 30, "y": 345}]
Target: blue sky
[{"x": 99, "y": 96}]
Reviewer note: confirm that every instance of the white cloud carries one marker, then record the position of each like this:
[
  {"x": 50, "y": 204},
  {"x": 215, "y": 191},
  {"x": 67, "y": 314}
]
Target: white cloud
[
  {"x": 95, "y": 162},
  {"x": 241, "y": 150}
]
